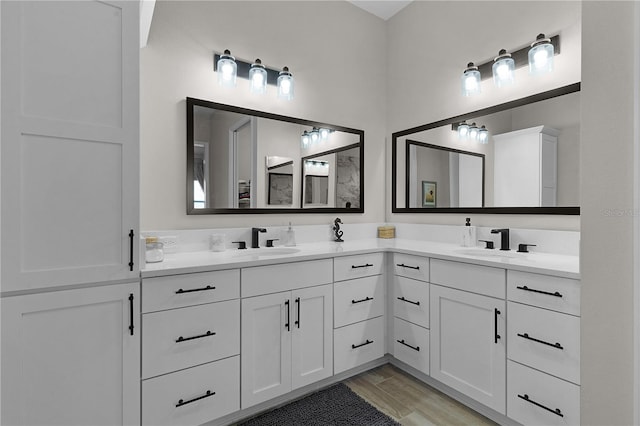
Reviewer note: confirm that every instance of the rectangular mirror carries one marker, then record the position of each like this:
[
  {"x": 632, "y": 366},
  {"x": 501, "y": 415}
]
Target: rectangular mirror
[
  {"x": 529, "y": 163},
  {"x": 247, "y": 161}
]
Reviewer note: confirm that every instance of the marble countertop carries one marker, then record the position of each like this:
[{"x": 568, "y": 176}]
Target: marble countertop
[{"x": 201, "y": 261}]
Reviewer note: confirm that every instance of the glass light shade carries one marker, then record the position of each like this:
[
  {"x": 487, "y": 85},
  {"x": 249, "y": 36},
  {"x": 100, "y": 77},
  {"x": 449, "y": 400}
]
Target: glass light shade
[
  {"x": 305, "y": 139},
  {"x": 463, "y": 131},
  {"x": 503, "y": 69},
  {"x": 470, "y": 80},
  {"x": 315, "y": 135},
  {"x": 258, "y": 77},
  {"x": 324, "y": 134},
  {"x": 541, "y": 56},
  {"x": 473, "y": 132},
  {"x": 227, "y": 70},
  {"x": 483, "y": 135},
  {"x": 285, "y": 84}
]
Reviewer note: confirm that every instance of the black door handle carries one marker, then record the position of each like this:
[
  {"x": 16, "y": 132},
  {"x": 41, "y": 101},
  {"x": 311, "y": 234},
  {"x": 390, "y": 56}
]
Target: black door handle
[
  {"x": 415, "y": 348},
  {"x": 361, "y": 266},
  {"x": 496, "y": 336},
  {"x": 298, "y": 320},
  {"x": 367, "y": 342},
  {"x": 288, "y": 315},
  {"x": 131, "y": 250},
  {"x": 200, "y": 336},
  {"x": 557, "y": 411},
  {"x": 553, "y": 345},
  {"x": 525, "y": 288},
  {"x": 402, "y": 265},
  {"x": 409, "y": 301},
  {"x": 181, "y": 291},
  {"x": 366, "y": 299},
  {"x": 131, "y": 314},
  {"x": 183, "y": 402}
]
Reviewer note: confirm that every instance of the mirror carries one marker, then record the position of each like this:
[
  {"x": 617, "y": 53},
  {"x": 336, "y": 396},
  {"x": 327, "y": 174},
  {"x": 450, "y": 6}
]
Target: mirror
[
  {"x": 247, "y": 161},
  {"x": 530, "y": 163}
]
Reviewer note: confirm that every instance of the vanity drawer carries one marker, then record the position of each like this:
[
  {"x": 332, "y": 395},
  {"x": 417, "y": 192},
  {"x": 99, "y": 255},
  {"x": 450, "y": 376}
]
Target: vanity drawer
[
  {"x": 416, "y": 267},
  {"x": 545, "y": 340},
  {"x": 411, "y": 301},
  {"x": 411, "y": 344},
  {"x": 362, "y": 265},
  {"x": 465, "y": 276},
  {"x": 177, "y": 291},
  {"x": 545, "y": 291},
  {"x": 284, "y": 277},
  {"x": 163, "y": 353},
  {"x": 548, "y": 391},
  {"x": 357, "y": 344},
  {"x": 358, "y": 300},
  {"x": 161, "y": 395}
]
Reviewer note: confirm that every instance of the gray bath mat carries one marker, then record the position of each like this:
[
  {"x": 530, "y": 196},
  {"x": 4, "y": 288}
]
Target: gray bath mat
[{"x": 337, "y": 405}]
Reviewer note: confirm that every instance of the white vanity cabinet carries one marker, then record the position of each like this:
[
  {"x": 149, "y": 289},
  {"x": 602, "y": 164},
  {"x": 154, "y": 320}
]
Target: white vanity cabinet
[
  {"x": 543, "y": 385},
  {"x": 468, "y": 333},
  {"x": 286, "y": 335},
  {"x": 72, "y": 357},
  {"x": 190, "y": 347}
]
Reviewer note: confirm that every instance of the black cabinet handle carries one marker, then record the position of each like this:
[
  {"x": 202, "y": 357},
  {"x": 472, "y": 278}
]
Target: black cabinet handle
[
  {"x": 402, "y": 265},
  {"x": 183, "y": 402},
  {"x": 181, "y": 291},
  {"x": 415, "y": 348},
  {"x": 200, "y": 336},
  {"x": 288, "y": 315},
  {"x": 554, "y": 345},
  {"x": 131, "y": 250},
  {"x": 298, "y": 320},
  {"x": 525, "y": 288},
  {"x": 366, "y": 299},
  {"x": 131, "y": 314},
  {"x": 409, "y": 301},
  {"x": 367, "y": 342},
  {"x": 557, "y": 411},
  {"x": 361, "y": 266},
  {"x": 496, "y": 336}
]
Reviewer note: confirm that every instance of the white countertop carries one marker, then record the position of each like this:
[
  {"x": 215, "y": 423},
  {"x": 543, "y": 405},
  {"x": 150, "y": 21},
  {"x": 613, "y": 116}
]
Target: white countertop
[{"x": 201, "y": 261}]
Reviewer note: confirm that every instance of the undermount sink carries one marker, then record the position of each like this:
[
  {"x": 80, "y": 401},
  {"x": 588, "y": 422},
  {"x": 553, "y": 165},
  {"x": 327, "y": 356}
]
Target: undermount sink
[
  {"x": 266, "y": 252},
  {"x": 481, "y": 252}
]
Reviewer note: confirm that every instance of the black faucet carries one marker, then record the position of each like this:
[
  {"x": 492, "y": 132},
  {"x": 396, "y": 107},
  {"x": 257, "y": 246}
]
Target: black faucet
[
  {"x": 254, "y": 237},
  {"x": 504, "y": 237}
]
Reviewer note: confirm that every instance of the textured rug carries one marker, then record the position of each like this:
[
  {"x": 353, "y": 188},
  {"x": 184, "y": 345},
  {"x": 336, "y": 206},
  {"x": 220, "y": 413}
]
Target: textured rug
[{"x": 337, "y": 405}]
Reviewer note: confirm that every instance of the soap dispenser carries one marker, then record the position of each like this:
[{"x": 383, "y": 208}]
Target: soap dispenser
[
  {"x": 290, "y": 236},
  {"x": 468, "y": 234}
]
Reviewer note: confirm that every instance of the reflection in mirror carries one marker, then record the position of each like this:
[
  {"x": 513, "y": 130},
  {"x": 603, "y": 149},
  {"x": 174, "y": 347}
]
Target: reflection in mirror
[
  {"x": 226, "y": 173},
  {"x": 530, "y": 163}
]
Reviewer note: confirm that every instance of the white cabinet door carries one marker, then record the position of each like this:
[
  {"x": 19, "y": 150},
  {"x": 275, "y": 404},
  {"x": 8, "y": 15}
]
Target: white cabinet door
[
  {"x": 72, "y": 357},
  {"x": 70, "y": 132},
  {"x": 266, "y": 347},
  {"x": 468, "y": 348},
  {"x": 312, "y": 335}
]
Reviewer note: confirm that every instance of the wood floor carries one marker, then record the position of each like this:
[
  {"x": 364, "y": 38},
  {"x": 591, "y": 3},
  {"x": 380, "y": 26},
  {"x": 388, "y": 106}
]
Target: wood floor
[{"x": 409, "y": 401}]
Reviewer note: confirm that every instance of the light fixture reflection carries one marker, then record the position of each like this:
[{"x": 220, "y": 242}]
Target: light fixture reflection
[
  {"x": 305, "y": 139},
  {"x": 227, "y": 70},
  {"x": 463, "y": 130},
  {"x": 483, "y": 135},
  {"x": 324, "y": 134},
  {"x": 315, "y": 135},
  {"x": 473, "y": 132}
]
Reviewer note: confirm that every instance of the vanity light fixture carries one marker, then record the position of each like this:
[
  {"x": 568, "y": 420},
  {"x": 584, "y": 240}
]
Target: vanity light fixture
[
  {"x": 463, "y": 130},
  {"x": 503, "y": 69},
  {"x": 315, "y": 135},
  {"x": 541, "y": 56},
  {"x": 324, "y": 134},
  {"x": 227, "y": 70},
  {"x": 285, "y": 84},
  {"x": 473, "y": 132},
  {"x": 483, "y": 135},
  {"x": 470, "y": 80},
  {"x": 258, "y": 78},
  {"x": 305, "y": 139}
]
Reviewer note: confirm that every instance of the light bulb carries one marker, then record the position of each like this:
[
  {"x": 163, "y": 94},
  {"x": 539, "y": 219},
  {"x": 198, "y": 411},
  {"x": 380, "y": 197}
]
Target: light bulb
[
  {"x": 473, "y": 132},
  {"x": 324, "y": 134},
  {"x": 258, "y": 77},
  {"x": 227, "y": 70},
  {"x": 285, "y": 84},
  {"x": 541, "y": 56},
  {"x": 470, "y": 80},
  {"x": 503, "y": 69},
  {"x": 463, "y": 131}
]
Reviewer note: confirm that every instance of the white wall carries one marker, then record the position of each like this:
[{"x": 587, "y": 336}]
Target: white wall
[
  {"x": 429, "y": 45},
  {"x": 327, "y": 45}
]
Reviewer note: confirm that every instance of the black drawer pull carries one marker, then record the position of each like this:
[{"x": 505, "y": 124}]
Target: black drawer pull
[
  {"x": 367, "y": 342},
  {"x": 361, "y": 266},
  {"x": 131, "y": 249},
  {"x": 496, "y": 336},
  {"x": 415, "y": 348},
  {"x": 553, "y": 345},
  {"x": 184, "y": 339},
  {"x": 209, "y": 287},
  {"x": 131, "y": 313},
  {"x": 557, "y": 411},
  {"x": 183, "y": 402},
  {"x": 533, "y": 290},
  {"x": 409, "y": 301},
  {"x": 402, "y": 265},
  {"x": 366, "y": 299}
]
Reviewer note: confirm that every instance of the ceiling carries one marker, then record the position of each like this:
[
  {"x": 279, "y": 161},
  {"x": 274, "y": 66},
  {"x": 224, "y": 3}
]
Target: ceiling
[{"x": 384, "y": 9}]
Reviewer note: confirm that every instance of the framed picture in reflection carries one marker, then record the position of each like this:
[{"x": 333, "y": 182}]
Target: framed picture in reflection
[{"x": 429, "y": 193}]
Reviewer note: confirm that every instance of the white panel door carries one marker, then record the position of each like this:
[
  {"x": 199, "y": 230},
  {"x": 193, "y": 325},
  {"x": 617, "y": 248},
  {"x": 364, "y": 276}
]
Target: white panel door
[
  {"x": 312, "y": 335},
  {"x": 265, "y": 347},
  {"x": 72, "y": 357},
  {"x": 70, "y": 131},
  {"x": 468, "y": 344}
]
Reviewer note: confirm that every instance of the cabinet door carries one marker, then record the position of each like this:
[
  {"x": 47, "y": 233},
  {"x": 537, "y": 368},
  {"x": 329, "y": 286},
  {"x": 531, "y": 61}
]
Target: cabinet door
[
  {"x": 70, "y": 131},
  {"x": 468, "y": 347},
  {"x": 312, "y": 335},
  {"x": 71, "y": 357},
  {"x": 266, "y": 347}
]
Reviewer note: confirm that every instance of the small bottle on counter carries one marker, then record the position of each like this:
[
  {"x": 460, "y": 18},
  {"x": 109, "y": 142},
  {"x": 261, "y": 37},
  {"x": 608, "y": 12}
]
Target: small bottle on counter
[
  {"x": 290, "y": 237},
  {"x": 155, "y": 250},
  {"x": 468, "y": 234}
]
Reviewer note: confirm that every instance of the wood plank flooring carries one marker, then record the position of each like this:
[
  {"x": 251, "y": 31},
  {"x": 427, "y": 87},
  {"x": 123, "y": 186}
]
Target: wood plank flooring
[{"x": 409, "y": 401}]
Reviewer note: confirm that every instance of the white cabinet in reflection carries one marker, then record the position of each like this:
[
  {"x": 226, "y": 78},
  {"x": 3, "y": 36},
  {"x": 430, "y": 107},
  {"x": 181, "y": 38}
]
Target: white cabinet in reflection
[{"x": 525, "y": 169}]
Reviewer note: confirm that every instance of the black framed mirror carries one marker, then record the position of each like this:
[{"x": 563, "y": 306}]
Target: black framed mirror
[
  {"x": 246, "y": 161},
  {"x": 530, "y": 161}
]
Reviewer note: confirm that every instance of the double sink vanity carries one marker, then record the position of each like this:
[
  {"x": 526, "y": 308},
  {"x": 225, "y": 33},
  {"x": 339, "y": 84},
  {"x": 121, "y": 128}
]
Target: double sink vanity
[{"x": 227, "y": 335}]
